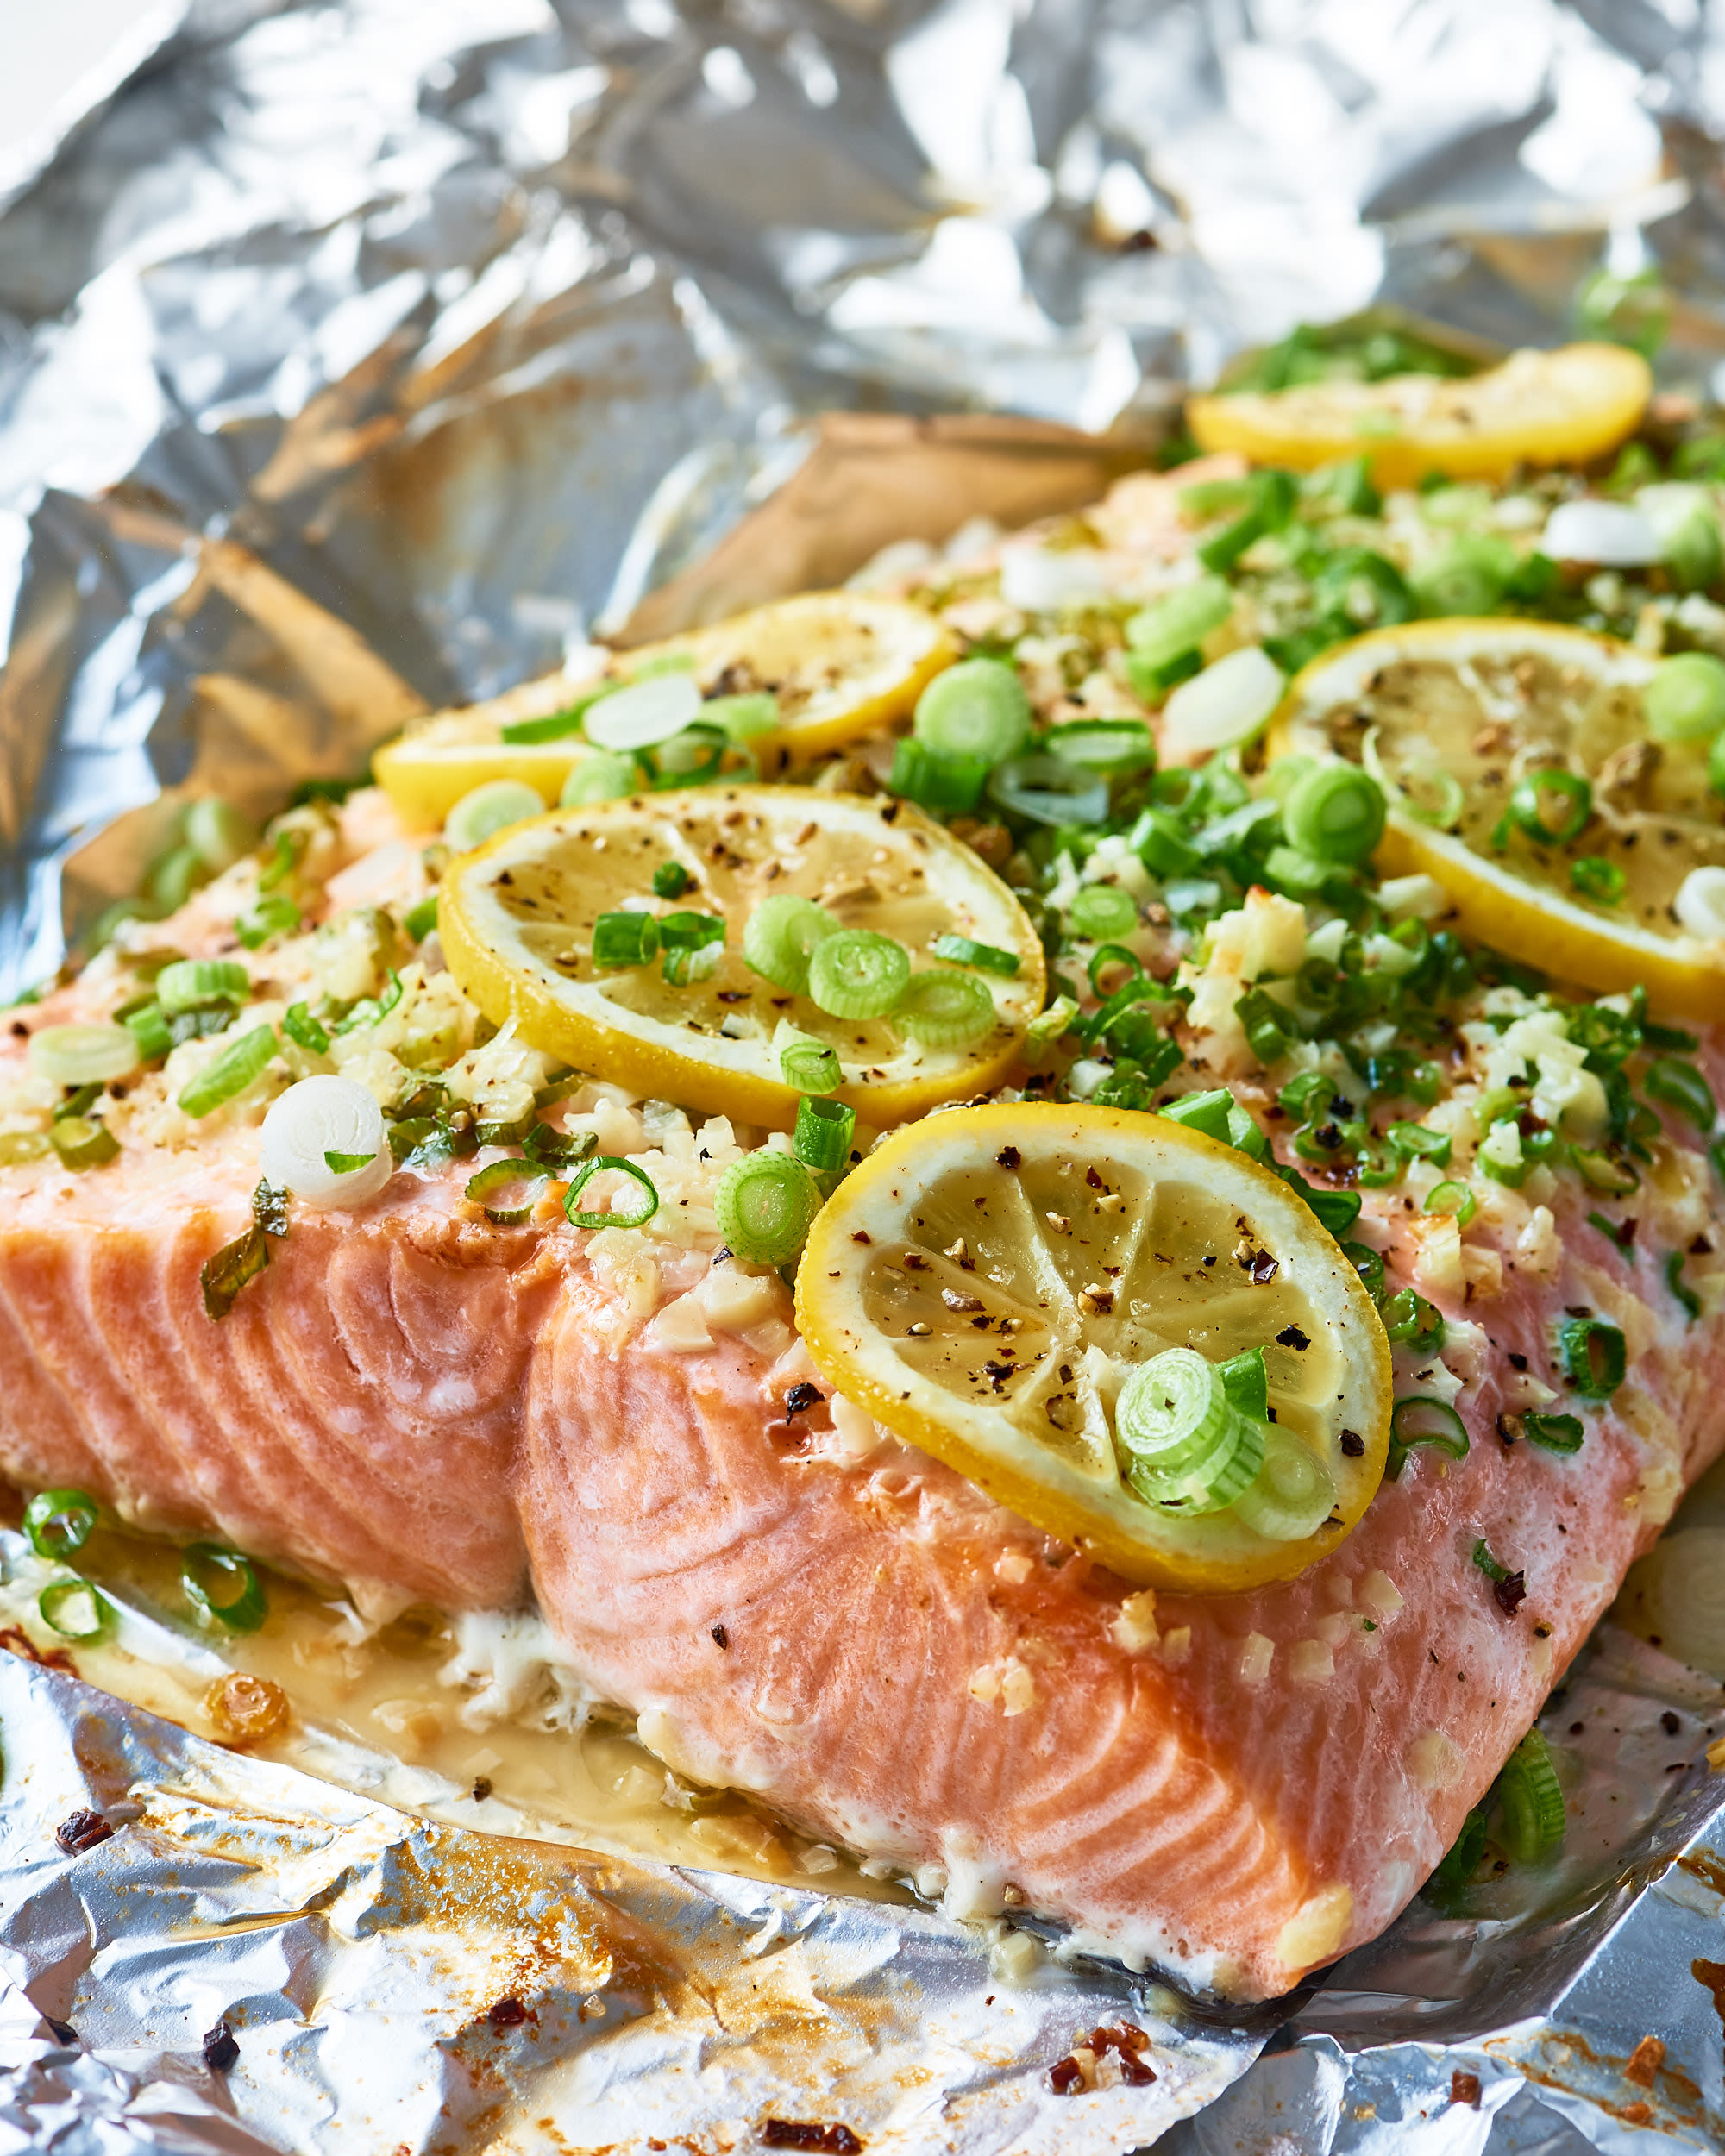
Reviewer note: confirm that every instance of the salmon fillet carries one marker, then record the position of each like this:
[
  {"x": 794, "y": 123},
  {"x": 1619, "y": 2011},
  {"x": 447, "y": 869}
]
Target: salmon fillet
[{"x": 426, "y": 1407}]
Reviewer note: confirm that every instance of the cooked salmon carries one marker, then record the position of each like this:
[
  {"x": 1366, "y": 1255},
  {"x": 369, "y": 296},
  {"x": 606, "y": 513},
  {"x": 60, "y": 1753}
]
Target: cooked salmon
[{"x": 426, "y": 1407}]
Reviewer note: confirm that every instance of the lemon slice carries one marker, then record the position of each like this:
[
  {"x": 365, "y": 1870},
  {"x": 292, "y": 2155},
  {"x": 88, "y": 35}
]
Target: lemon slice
[
  {"x": 836, "y": 664},
  {"x": 516, "y": 920},
  {"x": 1492, "y": 704},
  {"x": 986, "y": 1283},
  {"x": 1537, "y": 408}
]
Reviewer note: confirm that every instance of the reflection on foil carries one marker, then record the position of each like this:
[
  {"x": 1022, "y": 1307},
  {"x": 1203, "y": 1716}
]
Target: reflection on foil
[
  {"x": 369, "y": 354},
  {"x": 393, "y": 1983}
]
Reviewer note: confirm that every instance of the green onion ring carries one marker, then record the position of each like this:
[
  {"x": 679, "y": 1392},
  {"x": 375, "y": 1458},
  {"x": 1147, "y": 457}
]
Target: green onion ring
[
  {"x": 59, "y": 1522},
  {"x": 610, "y": 1219},
  {"x": 222, "y": 1587},
  {"x": 57, "y": 1604}
]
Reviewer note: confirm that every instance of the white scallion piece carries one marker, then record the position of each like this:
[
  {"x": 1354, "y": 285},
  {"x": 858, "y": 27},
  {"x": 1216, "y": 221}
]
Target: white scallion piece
[
  {"x": 489, "y": 809},
  {"x": 1611, "y": 534},
  {"x": 1040, "y": 581},
  {"x": 1225, "y": 704},
  {"x": 644, "y": 714},
  {"x": 83, "y": 1054},
  {"x": 314, "y": 1119},
  {"x": 1700, "y": 904}
]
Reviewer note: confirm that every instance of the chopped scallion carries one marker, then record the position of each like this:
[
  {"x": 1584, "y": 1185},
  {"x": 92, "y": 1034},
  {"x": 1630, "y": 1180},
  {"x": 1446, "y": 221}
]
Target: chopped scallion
[
  {"x": 231, "y": 1269},
  {"x": 1416, "y": 1420},
  {"x": 1205, "y": 1112},
  {"x": 782, "y": 936},
  {"x": 1595, "y": 878},
  {"x": 1182, "y": 1444},
  {"x": 612, "y": 1218},
  {"x": 1045, "y": 789},
  {"x": 945, "y": 786},
  {"x": 508, "y": 1190},
  {"x": 275, "y": 914},
  {"x": 825, "y": 1130},
  {"x": 945, "y": 1010},
  {"x": 75, "y": 1609},
  {"x": 1101, "y": 911},
  {"x": 1532, "y": 1801},
  {"x": 810, "y": 1065},
  {"x": 671, "y": 879},
  {"x": 689, "y": 932},
  {"x": 420, "y": 920},
  {"x": 1334, "y": 814},
  {"x": 976, "y": 709},
  {"x": 1677, "y": 1084},
  {"x": 239, "y": 1065},
  {"x": 855, "y": 974},
  {"x": 625, "y": 939},
  {"x": 82, "y": 1142},
  {"x": 1595, "y": 1357},
  {"x": 1456, "y": 1198},
  {"x": 222, "y": 1587},
  {"x": 1551, "y": 807},
  {"x": 764, "y": 1204},
  {"x": 1293, "y": 1493},
  {"x": 1684, "y": 1295},
  {"x": 963, "y": 950},
  {"x": 190, "y": 982},
  {"x": 304, "y": 1031},
  {"x": 59, "y": 1522},
  {"x": 1557, "y": 1433}
]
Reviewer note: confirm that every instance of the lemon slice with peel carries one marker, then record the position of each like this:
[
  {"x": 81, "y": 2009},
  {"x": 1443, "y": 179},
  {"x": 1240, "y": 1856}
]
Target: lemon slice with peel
[
  {"x": 516, "y": 920},
  {"x": 1558, "y": 407},
  {"x": 827, "y": 665},
  {"x": 1460, "y": 718},
  {"x": 987, "y": 1284}
]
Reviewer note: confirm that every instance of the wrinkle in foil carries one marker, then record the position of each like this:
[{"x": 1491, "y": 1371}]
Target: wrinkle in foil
[{"x": 362, "y": 355}]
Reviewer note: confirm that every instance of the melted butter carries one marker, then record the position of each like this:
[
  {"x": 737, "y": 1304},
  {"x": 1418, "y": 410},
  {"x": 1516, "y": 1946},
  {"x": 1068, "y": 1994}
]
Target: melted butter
[{"x": 372, "y": 1712}]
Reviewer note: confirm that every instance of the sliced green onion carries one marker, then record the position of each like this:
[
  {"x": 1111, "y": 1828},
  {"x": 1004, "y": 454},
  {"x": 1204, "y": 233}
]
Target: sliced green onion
[
  {"x": 1679, "y": 1085},
  {"x": 59, "y": 1522},
  {"x": 642, "y": 1213},
  {"x": 1552, "y": 807},
  {"x": 680, "y": 967},
  {"x": 489, "y": 809},
  {"x": 810, "y": 1065},
  {"x": 1532, "y": 1801},
  {"x": 600, "y": 776},
  {"x": 690, "y": 931},
  {"x": 190, "y": 982},
  {"x": 764, "y": 1204},
  {"x": 1595, "y": 878},
  {"x": 75, "y": 1609},
  {"x": 1557, "y": 1433},
  {"x": 1415, "y": 1142},
  {"x": 1102, "y": 911},
  {"x": 555, "y": 1151},
  {"x": 304, "y": 1031},
  {"x": 19, "y": 1148},
  {"x": 81, "y": 1142},
  {"x": 275, "y": 914},
  {"x": 1043, "y": 1032},
  {"x": 1685, "y": 698},
  {"x": 1417, "y": 1421},
  {"x": 625, "y": 939},
  {"x": 1489, "y": 1564},
  {"x": 742, "y": 717},
  {"x": 1205, "y": 1112},
  {"x": 1455, "y": 1874},
  {"x": 173, "y": 876},
  {"x": 420, "y": 920},
  {"x": 1334, "y": 814},
  {"x": 1049, "y": 790},
  {"x": 644, "y": 713},
  {"x": 1683, "y": 1294},
  {"x": 855, "y": 973},
  {"x": 1369, "y": 1264},
  {"x": 945, "y": 1010},
  {"x": 1104, "y": 744},
  {"x": 1103, "y": 961},
  {"x": 825, "y": 1130},
  {"x": 1452, "y": 1198},
  {"x": 149, "y": 1027},
  {"x": 222, "y": 1587},
  {"x": 238, "y": 1066},
  {"x": 1595, "y": 1357},
  {"x": 1433, "y": 798},
  {"x": 1599, "y": 1171},
  {"x": 347, "y": 1163},
  {"x": 671, "y": 879},
  {"x": 1293, "y": 1494},
  {"x": 217, "y": 833},
  {"x": 964, "y": 950},
  {"x": 1184, "y": 1446},
  {"x": 1336, "y": 1210},
  {"x": 977, "y": 708},
  {"x": 1180, "y": 623},
  {"x": 693, "y": 758},
  {"x": 782, "y": 936},
  {"x": 83, "y": 1054},
  {"x": 1414, "y": 1323},
  {"x": 231, "y": 1269},
  {"x": 555, "y": 726},
  {"x": 508, "y": 1189},
  {"x": 945, "y": 786}
]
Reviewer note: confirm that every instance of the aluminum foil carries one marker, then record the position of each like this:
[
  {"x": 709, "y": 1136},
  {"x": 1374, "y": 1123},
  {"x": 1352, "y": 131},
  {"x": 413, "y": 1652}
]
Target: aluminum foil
[{"x": 361, "y": 355}]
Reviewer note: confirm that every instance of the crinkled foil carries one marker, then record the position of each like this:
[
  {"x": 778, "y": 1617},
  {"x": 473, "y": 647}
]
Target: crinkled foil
[{"x": 370, "y": 354}]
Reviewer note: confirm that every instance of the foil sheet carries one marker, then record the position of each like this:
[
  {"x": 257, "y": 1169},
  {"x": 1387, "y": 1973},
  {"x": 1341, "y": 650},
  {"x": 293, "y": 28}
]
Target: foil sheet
[{"x": 362, "y": 355}]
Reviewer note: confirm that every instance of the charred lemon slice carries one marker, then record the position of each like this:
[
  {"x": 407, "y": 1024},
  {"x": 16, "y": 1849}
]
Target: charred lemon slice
[
  {"x": 676, "y": 943},
  {"x": 786, "y": 682},
  {"x": 1537, "y": 408},
  {"x": 1517, "y": 763},
  {"x": 1055, "y": 1300}
]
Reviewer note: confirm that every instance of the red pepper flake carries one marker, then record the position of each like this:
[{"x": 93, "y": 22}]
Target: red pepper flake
[
  {"x": 507, "y": 2014},
  {"x": 1094, "y": 1179},
  {"x": 482, "y": 1787},
  {"x": 1465, "y": 2088},
  {"x": 1009, "y": 1156},
  {"x": 1353, "y": 1445},
  {"x": 1291, "y": 1337},
  {"x": 861, "y": 1236},
  {"x": 221, "y": 2052},
  {"x": 1125, "y": 2041},
  {"x": 1510, "y": 1594},
  {"x": 805, "y": 2133},
  {"x": 81, "y": 1831},
  {"x": 801, "y": 1397},
  {"x": 1066, "y": 2077},
  {"x": 1263, "y": 1268},
  {"x": 721, "y": 1638}
]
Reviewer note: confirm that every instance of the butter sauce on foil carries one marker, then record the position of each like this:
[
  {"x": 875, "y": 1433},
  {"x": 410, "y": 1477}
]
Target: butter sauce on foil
[{"x": 471, "y": 326}]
